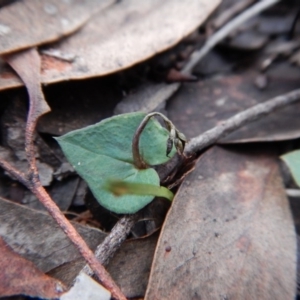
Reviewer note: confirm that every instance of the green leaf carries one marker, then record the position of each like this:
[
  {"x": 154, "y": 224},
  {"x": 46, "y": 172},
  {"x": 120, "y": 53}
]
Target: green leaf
[
  {"x": 103, "y": 152},
  {"x": 292, "y": 160}
]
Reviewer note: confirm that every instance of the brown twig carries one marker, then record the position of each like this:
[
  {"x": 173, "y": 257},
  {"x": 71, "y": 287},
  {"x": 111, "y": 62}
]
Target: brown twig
[
  {"x": 113, "y": 241},
  {"x": 229, "y": 13},
  {"x": 224, "y": 32},
  {"x": 21, "y": 177},
  {"x": 211, "y": 136},
  {"x": 31, "y": 180}
]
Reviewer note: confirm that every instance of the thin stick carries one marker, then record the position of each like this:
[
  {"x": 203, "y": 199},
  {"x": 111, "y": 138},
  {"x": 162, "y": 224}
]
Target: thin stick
[
  {"x": 229, "y": 13},
  {"x": 21, "y": 177},
  {"x": 225, "y": 31},
  {"x": 211, "y": 136},
  {"x": 113, "y": 241}
]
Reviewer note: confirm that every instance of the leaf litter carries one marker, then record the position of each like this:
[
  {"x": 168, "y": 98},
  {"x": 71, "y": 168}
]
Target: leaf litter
[
  {"x": 21, "y": 277},
  {"x": 35, "y": 236},
  {"x": 220, "y": 98},
  {"x": 48, "y": 21},
  {"x": 238, "y": 76},
  {"x": 142, "y": 28},
  {"x": 218, "y": 231}
]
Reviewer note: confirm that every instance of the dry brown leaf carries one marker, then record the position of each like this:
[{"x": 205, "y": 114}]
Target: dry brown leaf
[
  {"x": 130, "y": 266},
  {"x": 119, "y": 37},
  {"x": 75, "y": 106},
  {"x": 19, "y": 276},
  {"x": 27, "y": 64},
  {"x": 24, "y": 24},
  {"x": 148, "y": 97},
  {"x": 35, "y": 236},
  {"x": 229, "y": 233},
  {"x": 295, "y": 59},
  {"x": 200, "y": 106}
]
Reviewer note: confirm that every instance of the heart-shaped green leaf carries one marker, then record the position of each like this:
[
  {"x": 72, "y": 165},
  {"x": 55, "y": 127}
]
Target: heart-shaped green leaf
[
  {"x": 103, "y": 152},
  {"x": 292, "y": 160}
]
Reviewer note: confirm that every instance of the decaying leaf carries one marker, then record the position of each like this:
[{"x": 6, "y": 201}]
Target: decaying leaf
[
  {"x": 37, "y": 237},
  {"x": 130, "y": 266},
  {"x": 201, "y": 106},
  {"x": 120, "y": 36},
  {"x": 146, "y": 98},
  {"x": 24, "y": 24},
  {"x": 69, "y": 113},
  {"x": 127, "y": 33},
  {"x": 19, "y": 276},
  {"x": 27, "y": 64},
  {"x": 229, "y": 233}
]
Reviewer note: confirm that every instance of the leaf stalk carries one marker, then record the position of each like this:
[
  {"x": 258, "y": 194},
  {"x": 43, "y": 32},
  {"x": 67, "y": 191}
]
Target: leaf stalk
[{"x": 175, "y": 138}]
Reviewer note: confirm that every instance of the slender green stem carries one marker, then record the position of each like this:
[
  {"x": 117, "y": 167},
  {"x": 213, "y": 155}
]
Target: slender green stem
[{"x": 120, "y": 187}]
